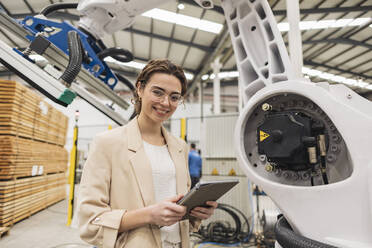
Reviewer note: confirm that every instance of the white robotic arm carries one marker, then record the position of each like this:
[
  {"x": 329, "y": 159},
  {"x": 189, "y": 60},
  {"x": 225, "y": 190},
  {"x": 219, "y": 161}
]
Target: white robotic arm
[{"x": 102, "y": 17}]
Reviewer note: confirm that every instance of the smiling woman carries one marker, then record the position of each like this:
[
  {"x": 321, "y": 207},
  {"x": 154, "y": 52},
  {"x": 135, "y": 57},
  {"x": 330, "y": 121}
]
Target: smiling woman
[{"x": 135, "y": 174}]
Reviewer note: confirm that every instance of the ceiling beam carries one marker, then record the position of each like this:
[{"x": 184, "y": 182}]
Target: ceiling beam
[
  {"x": 207, "y": 49},
  {"x": 223, "y": 40},
  {"x": 338, "y": 40},
  {"x": 327, "y": 10},
  {"x": 312, "y": 63}
]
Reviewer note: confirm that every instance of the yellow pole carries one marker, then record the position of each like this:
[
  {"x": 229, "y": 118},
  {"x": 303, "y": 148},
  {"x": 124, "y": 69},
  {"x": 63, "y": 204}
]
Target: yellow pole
[
  {"x": 183, "y": 128},
  {"x": 71, "y": 178}
]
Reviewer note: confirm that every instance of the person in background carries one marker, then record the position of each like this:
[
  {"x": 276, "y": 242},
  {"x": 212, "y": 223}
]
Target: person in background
[{"x": 195, "y": 165}]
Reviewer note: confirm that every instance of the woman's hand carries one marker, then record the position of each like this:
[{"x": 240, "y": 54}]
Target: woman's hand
[
  {"x": 204, "y": 212},
  {"x": 167, "y": 212}
]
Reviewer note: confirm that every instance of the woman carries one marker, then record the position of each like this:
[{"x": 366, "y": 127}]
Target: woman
[{"x": 135, "y": 174}]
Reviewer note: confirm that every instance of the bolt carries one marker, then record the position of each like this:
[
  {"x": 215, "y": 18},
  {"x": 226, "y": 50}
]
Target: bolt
[
  {"x": 306, "y": 176},
  {"x": 262, "y": 158},
  {"x": 206, "y": 4},
  {"x": 295, "y": 176},
  {"x": 269, "y": 168},
  {"x": 334, "y": 149},
  {"x": 331, "y": 158},
  {"x": 277, "y": 172},
  {"x": 266, "y": 107},
  {"x": 111, "y": 81},
  {"x": 29, "y": 22},
  {"x": 286, "y": 175},
  {"x": 335, "y": 138},
  {"x": 96, "y": 68}
]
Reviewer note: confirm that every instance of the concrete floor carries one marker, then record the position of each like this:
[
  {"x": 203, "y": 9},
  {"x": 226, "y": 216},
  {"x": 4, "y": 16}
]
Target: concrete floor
[{"x": 45, "y": 229}]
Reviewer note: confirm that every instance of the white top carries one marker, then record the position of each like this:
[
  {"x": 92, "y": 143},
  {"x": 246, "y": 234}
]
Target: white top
[{"x": 164, "y": 178}]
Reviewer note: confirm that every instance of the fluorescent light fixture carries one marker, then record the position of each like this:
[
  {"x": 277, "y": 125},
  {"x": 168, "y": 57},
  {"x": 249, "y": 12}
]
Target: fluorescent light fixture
[
  {"x": 132, "y": 64},
  {"x": 341, "y": 23},
  {"x": 187, "y": 21},
  {"x": 324, "y": 24},
  {"x": 359, "y": 21},
  {"x": 306, "y": 25},
  {"x": 180, "y": 6},
  {"x": 336, "y": 78},
  {"x": 189, "y": 76},
  {"x": 283, "y": 26},
  {"x": 205, "y": 77}
]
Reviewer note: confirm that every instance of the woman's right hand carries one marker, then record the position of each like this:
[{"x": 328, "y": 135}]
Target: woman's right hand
[{"x": 167, "y": 212}]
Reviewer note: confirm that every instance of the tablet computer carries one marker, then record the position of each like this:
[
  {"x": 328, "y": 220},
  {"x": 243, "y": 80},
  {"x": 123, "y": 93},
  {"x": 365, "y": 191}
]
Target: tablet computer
[{"x": 205, "y": 191}]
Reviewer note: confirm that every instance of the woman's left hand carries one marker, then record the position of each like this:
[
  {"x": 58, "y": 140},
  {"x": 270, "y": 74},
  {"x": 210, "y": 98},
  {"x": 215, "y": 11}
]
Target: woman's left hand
[{"x": 204, "y": 212}]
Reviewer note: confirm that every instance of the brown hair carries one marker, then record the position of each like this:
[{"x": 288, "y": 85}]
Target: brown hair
[{"x": 162, "y": 66}]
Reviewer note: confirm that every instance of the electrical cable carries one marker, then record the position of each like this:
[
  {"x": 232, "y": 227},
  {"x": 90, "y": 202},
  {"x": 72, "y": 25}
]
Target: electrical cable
[
  {"x": 75, "y": 58},
  {"x": 57, "y": 6},
  {"x": 120, "y": 54},
  {"x": 222, "y": 233}
]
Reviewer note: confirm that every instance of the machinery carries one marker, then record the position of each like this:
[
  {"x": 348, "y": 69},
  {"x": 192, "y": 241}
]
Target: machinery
[{"x": 306, "y": 145}]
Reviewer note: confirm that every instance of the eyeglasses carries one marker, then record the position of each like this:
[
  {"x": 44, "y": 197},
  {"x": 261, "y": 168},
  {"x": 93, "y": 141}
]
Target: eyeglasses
[{"x": 159, "y": 96}]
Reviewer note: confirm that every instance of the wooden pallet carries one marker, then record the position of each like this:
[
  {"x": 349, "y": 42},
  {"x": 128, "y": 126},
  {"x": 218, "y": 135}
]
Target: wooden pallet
[
  {"x": 24, "y": 113},
  {"x": 4, "y": 231}
]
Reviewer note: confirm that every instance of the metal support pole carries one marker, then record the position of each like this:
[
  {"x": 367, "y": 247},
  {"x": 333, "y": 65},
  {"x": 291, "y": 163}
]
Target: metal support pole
[
  {"x": 72, "y": 171},
  {"x": 183, "y": 128},
  {"x": 294, "y": 36},
  {"x": 216, "y": 66}
]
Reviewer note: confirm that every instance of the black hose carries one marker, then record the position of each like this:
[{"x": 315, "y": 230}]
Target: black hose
[
  {"x": 222, "y": 232},
  {"x": 119, "y": 54},
  {"x": 75, "y": 57},
  {"x": 57, "y": 6},
  {"x": 125, "y": 81},
  {"x": 287, "y": 238}
]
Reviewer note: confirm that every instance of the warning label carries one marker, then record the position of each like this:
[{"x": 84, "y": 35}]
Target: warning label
[{"x": 263, "y": 135}]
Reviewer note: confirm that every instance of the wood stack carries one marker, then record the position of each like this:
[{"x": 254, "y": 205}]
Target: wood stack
[
  {"x": 21, "y": 157},
  {"x": 33, "y": 161},
  {"x": 25, "y": 114},
  {"x": 21, "y": 198}
]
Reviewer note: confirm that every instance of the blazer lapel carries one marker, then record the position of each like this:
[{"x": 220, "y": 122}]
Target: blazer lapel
[{"x": 140, "y": 163}]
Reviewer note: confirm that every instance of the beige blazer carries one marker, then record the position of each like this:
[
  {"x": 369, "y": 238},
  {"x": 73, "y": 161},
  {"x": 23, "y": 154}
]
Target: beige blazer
[{"x": 117, "y": 177}]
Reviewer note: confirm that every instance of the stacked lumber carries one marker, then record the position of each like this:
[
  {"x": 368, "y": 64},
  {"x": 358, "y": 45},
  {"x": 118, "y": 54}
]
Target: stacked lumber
[
  {"x": 21, "y": 198},
  {"x": 33, "y": 160},
  {"x": 25, "y": 114},
  {"x": 21, "y": 157}
]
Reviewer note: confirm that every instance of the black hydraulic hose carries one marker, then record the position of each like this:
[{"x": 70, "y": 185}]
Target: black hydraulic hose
[
  {"x": 75, "y": 58},
  {"x": 238, "y": 211},
  {"x": 125, "y": 81},
  {"x": 57, "y": 6},
  {"x": 287, "y": 238},
  {"x": 119, "y": 54}
]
